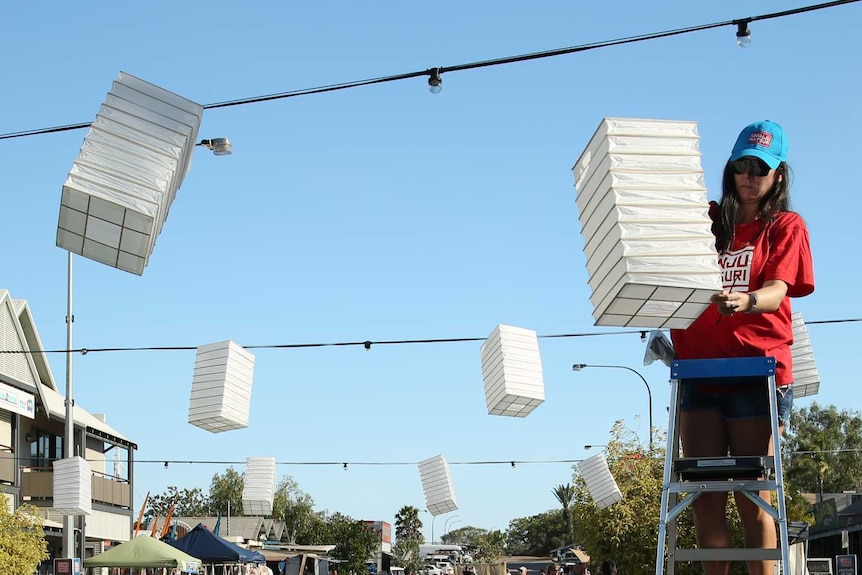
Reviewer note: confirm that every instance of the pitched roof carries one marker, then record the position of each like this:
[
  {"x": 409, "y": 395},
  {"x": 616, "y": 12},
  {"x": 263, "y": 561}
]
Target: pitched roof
[{"x": 31, "y": 370}]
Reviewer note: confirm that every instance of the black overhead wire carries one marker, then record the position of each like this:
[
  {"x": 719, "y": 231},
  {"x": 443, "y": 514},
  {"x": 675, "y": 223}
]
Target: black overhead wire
[
  {"x": 367, "y": 344},
  {"x": 346, "y": 464},
  {"x": 469, "y": 65}
]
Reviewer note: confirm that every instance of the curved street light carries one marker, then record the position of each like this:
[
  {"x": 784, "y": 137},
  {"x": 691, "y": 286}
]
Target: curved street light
[
  {"x": 445, "y": 533},
  {"x": 433, "y": 517},
  {"x": 446, "y": 524},
  {"x": 588, "y": 447},
  {"x": 580, "y": 366}
]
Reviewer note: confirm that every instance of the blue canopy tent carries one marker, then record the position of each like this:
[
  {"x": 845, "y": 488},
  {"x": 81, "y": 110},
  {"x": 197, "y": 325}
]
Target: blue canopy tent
[{"x": 210, "y": 548}]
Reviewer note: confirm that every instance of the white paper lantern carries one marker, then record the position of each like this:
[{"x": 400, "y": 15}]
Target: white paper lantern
[
  {"x": 512, "y": 371},
  {"x": 806, "y": 379},
  {"x": 258, "y": 486},
  {"x": 437, "y": 485},
  {"x": 601, "y": 484},
  {"x": 72, "y": 486},
  {"x": 221, "y": 387},
  {"x": 643, "y": 211},
  {"x": 134, "y": 158}
]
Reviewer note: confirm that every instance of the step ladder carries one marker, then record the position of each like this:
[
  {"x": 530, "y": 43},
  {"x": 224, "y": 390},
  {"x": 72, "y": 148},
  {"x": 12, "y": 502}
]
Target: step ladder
[{"x": 685, "y": 479}]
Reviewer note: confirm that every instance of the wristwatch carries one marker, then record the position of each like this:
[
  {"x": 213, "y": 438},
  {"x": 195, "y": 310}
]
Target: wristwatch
[{"x": 752, "y": 302}]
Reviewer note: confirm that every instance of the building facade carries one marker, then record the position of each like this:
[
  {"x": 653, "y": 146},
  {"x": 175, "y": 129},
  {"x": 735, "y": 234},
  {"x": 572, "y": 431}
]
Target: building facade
[{"x": 32, "y": 435}]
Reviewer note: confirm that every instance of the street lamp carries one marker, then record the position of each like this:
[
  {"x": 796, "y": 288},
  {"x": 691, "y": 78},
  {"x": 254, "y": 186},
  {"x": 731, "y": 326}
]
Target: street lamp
[
  {"x": 453, "y": 525},
  {"x": 446, "y": 524},
  {"x": 580, "y": 366},
  {"x": 588, "y": 447},
  {"x": 218, "y": 146},
  {"x": 433, "y": 518}
]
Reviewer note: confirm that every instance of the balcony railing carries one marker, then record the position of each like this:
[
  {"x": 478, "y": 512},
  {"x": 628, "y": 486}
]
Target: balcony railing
[{"x": 38, "y": 483}]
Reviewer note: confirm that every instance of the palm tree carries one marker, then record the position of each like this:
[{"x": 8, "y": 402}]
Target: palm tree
[
  {"x": 565, "y": 494},
  {"x": 408, "y": 526}
]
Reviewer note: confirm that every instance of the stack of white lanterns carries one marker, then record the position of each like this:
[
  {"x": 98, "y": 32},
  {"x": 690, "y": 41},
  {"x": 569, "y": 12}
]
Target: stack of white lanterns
[
  {"x": 258, "y": 486},
  {"x": 644, "y": 218},
  {"x": 806, "y": 378},
  {"x": 512, "y": 371},
  {"x": 120, "y": 188},
  {"x": 221, "y": 387},
  {"x": 437, "y": 485},
  {"x": 601, "y": 484},
  {"x": 72, "y": 486}
]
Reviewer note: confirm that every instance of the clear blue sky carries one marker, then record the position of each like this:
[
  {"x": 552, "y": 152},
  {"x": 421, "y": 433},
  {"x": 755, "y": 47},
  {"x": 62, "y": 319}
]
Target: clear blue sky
[{"x": 386, "y": 212}]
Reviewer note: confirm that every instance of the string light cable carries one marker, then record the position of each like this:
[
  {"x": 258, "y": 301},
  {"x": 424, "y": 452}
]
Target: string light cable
[
  {"x": 435, "y": 81},
  {"x": 509, "y": 462},
  {"x": 367, "y": 344},
  {"x": 166, "y": 462}
]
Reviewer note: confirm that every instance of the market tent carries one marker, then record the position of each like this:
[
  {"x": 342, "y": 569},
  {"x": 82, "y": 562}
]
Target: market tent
[
  {"x": 203, "y": 543},
  {"x": 145, "y": 551}
]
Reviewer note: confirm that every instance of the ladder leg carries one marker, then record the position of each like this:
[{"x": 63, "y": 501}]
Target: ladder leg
[
  {"x": 671, "y": 449},
  {"x": 783, "y": 536}
]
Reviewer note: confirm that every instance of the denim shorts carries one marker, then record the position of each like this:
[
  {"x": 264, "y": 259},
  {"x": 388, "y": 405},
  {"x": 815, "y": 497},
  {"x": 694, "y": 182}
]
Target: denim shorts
[{"x": 735, "y": 398}]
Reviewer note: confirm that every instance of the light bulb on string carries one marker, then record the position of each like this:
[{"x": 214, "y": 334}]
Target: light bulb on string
[
  {"x": 435, "y": 82},
  {"x": 743, "y": 34}
]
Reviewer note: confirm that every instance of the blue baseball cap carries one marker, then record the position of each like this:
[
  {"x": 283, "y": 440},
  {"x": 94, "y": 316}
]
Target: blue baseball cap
[{"x": 764, "y": 140}]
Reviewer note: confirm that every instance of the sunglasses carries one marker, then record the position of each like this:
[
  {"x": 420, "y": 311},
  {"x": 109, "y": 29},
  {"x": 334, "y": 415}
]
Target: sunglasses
[{"x": 757, "y": 167}]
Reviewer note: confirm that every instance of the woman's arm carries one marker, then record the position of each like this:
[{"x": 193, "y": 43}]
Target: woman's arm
[{"x": 769, "y": 298}]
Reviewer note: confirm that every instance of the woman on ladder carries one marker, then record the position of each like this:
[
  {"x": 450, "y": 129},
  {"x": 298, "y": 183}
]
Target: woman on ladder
[{"x": 765, "y": 259}]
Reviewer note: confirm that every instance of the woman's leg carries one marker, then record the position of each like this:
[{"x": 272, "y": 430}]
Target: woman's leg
[
  {"x": 754, "y": 437},
  {"x": 704, "y": 434}
]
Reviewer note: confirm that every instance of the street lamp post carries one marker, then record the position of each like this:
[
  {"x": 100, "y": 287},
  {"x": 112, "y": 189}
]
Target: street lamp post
[
  {"x": 588, "y": 447},
  {"x": 446, "y": 524},
  {"x": 453, "y": 525},
  {"x": 433, "y": 518},
  {"x": 580, "y": 366}
]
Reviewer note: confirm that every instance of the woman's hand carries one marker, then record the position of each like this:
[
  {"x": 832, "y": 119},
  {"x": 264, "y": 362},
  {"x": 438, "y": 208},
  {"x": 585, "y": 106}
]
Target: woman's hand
[{"x": 730, "y": 302}]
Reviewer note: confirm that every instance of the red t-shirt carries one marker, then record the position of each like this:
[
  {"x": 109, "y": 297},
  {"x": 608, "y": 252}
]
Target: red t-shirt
[{"x": 779, "y": 251}]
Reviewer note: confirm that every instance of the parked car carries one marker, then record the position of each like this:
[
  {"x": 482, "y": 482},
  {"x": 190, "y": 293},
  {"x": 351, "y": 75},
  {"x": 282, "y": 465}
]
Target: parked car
[
  {"x": 446, "y": 567},
  {"x": 431, "y": 570}
]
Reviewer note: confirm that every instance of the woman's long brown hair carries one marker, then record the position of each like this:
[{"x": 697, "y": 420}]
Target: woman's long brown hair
[{"x": 775, "y": 201}]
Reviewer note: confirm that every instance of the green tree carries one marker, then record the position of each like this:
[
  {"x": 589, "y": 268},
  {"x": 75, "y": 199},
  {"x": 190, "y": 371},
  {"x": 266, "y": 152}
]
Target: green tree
[
  {"x": 463, "y": 535},
  {"x": 354, "y": 540},
  {"x": 626, "y": 531},
  {"x": 22, "y": 540},
  {"x": 488, "y": 546},
  {"x": 408, "y": 526},
  {"x": 565, "y": 494},
  {"x": 537, "y": 534},
  {"x": 226, "y": 489},
  {"x": 408, "y": 537},
  {"x": 823, "y": 450},
  {"x": 293, "y": 506},
  {"x": 186, "y": 503}
]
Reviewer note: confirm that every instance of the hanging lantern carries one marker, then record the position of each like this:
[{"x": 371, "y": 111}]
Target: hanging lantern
[
  {"x": 644, "y": 218},
  {"x": 601, "y": 484},
  {"x": 72, "y": 486},
  {"x": 806, "y": 378},
  {"x": 512, "y": 371},
  {"x": 221, "y": 387},
  {"x": 258, "y": 486},
  {"x": 437, "y": 485},
  {"x": 120, "y": 188}
]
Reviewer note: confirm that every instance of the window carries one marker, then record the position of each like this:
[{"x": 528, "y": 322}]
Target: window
[{"x": 45, "y": 448}]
